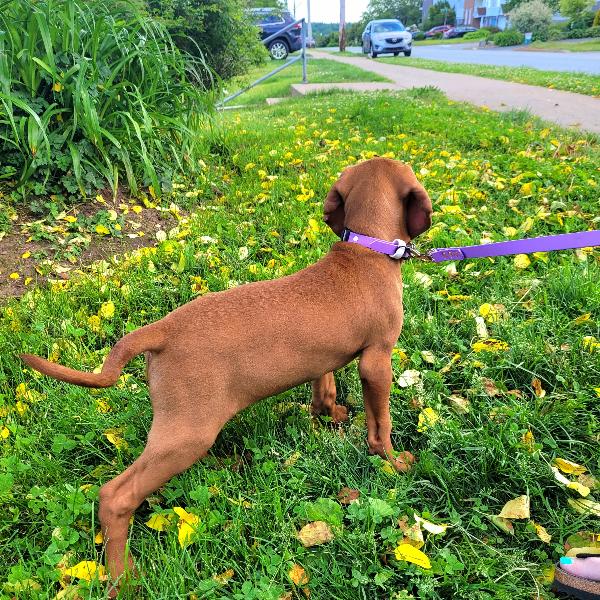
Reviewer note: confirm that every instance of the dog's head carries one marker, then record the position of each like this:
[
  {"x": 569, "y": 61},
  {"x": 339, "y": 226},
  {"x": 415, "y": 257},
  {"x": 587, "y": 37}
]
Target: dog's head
[{"x": 379, "y": 197}]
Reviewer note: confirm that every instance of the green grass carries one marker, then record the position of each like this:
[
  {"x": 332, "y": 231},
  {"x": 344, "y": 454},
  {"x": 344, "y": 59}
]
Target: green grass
[
  {"x": 490, "y": 176},
  {"x": 319, "y": 71},
  {"x": 566, "y": 46},
  {"x": 580, "y": 83}
]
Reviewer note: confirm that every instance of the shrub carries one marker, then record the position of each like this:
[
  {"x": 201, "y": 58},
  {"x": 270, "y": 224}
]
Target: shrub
[
  {"x": 596, "y": 21},
  {"x": 583, "y": 33},
  {"x": 556, "y": 33},
  {"x": 575, "y": 8},
  {"x": 534, "y": 16},
  {"x": 510, "y": 37},
  {"x": 491, "y": 29},
  {"x": 93, "y": 93},
  {"x": 219, "y": 31},
  {"x": 480, "y": 34},
  {"x": 418, "y": 36}
]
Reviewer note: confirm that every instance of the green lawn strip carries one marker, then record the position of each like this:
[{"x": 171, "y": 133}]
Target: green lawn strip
[
  {"x": 319, "y": 71},
  {"x": 580, "y": 83},
  {"x": 568, "y": 46},
  {"x": 492, "y": 177}
]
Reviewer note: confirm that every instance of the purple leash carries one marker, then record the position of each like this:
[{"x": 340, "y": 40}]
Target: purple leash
[{"x": 398, "y": 249}]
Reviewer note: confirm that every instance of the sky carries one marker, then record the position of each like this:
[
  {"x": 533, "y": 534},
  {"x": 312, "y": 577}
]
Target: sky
[{"x": 328, "y": 11}]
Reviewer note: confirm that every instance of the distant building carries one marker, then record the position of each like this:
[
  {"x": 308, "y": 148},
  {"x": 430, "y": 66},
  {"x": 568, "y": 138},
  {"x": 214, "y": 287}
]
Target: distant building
[{"x": 477, "y": 13}]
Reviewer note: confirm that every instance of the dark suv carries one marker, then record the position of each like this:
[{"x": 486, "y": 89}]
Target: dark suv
[{"x": 270, "y": 21}]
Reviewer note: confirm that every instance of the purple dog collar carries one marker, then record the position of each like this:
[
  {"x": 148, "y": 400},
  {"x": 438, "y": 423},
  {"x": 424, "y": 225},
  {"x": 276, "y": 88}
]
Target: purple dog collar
[{"x": 399, "y": 249}]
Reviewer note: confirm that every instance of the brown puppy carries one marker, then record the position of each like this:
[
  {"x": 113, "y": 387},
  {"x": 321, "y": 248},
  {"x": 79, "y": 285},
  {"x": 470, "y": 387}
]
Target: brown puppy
[{"x": 213, "y": 357}]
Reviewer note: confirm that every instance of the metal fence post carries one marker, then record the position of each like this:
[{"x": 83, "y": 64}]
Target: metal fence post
[{"x": 304, "y": 74}]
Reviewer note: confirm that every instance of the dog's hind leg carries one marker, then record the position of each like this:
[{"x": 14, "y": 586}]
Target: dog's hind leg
[
  {"x": 323, "y": 399},
  {"x": 173, "y": 446}
]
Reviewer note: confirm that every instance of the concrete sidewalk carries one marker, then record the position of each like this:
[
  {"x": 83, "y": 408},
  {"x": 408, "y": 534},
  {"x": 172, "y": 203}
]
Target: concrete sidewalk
[{"x": 564, "y": 108}]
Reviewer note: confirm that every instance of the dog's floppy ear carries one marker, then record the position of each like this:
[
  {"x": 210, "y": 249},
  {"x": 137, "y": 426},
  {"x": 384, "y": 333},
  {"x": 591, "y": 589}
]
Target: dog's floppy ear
[
  {"x": 418, "y": 210},
  {"x": 333, "y": 210}
]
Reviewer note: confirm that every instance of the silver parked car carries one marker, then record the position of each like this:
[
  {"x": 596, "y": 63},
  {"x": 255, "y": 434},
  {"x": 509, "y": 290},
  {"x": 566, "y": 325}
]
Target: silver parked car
[{"x": 386, "y": 36}]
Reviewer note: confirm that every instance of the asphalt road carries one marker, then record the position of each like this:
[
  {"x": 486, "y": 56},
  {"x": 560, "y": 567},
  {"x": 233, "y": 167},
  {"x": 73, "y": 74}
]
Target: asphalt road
[{"x": 587, "y": 62}]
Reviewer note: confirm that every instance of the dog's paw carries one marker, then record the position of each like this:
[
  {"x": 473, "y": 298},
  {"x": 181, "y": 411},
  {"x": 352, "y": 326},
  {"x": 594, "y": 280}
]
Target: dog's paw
[
  {"x": 404, "y": 461},
  {"x": 339, "y": 413}
]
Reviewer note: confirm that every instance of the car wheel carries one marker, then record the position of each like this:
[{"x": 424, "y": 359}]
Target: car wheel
[
  {"x": 407, "y": 52},
  {"x": 372, "y": 52},
  {"x": 396, "y": 53},
  {"x": 278, "y": 50}
]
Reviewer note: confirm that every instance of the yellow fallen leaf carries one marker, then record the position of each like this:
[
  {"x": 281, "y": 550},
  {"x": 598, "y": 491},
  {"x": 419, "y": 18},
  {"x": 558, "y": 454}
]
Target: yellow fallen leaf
[
  {"x": 427, "y": 418},
  {"x": 158, "y": 522},
  {"x": 314, "y": 534},
  {"x": 187, "y": 525},
  {"x": 541, "y": 532},
  {"x": 590, "y": 343},
  {"x": 387, "y": 468},
  {"x": 582, "y": 319},
  {"x": 589, "y": 481},
  {"x": 4, "y": 433},
  {"x": 107, "y": 310},
  {"x": 521, "y": 261},
  {"x": 489, "y": 312},
  {"x": 503, "y": 524},
  {"x": 86, "y": 570},
  {"x": 528, "y": 440},
  {"x": 459, "y": 404},
  {"x": 527, "y": 188},
  {"x": 572, "y": 485},
  {"x": 413, "y": 555},
  {"x": 489, "y": 345},
  {"x": 102, "y": 230},
  {"x": 115, "y": 437},
  {"x": 585, "y": 506},
  {"x": 518, "y": 508},
  {"x": 537, "y": 387},
  {"x": 298, "y": 575},
  {"x": 571, "y": 468},
  {"x": 431, "y": 527},
  {"x": 413, "y": 536},
  {"x": 223, "y": 578}
]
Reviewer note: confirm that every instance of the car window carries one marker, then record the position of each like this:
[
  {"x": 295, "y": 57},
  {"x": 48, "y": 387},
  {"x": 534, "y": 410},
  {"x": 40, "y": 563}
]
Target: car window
[{"x": 387, "y": 26}]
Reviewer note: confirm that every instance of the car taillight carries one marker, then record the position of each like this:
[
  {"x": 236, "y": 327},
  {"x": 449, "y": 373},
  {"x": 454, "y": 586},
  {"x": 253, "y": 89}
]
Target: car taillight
[{"x": 297, "y": 26}]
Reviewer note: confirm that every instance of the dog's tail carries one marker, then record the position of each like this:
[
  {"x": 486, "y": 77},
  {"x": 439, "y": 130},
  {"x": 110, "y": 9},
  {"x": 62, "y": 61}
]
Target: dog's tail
[{"x": 150, "y": 337}]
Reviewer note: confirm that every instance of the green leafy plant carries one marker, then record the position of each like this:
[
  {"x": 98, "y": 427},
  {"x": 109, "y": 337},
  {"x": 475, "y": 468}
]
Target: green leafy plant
[
  {"x": 510, "y": 37},
  {"x": 93, "y": 94}
]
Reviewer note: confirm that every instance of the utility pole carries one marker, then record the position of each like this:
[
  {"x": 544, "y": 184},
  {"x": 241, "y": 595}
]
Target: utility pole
[
  {"x": 308, "y": 23},
  {"x": 342, "y": 25}
]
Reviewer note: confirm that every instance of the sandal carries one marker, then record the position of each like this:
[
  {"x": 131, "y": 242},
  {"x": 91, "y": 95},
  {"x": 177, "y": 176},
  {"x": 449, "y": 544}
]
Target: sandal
[{"x": 572, "y": 585}]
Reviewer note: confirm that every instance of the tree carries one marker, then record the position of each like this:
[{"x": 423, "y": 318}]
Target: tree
[
  {"x": 575, "y": 8},
  {"x": 407, "y": 11},
  {"x": 534, "y": 17},
  {"x": 441, "y": 13},
  {"x": 510, "y": 5},
  {"x": 217, "y": 31},
  {"x": 280, "y": 4}
]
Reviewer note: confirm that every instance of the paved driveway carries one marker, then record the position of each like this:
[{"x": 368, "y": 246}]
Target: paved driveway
[{"x": 587, "y": 62}]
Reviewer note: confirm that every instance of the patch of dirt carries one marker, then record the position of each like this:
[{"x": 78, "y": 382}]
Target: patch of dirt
[{"x": 15, "y": 244}]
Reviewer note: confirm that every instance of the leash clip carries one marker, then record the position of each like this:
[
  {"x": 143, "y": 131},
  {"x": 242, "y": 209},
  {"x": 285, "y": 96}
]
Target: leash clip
[{"x": 406, "y": 251}]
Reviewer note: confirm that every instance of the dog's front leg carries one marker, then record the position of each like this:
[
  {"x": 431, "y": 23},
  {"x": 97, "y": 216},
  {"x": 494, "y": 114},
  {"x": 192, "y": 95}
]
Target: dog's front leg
[
  {"x": 323, "y": 399},
  {"x": 375, "y": 369}
]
